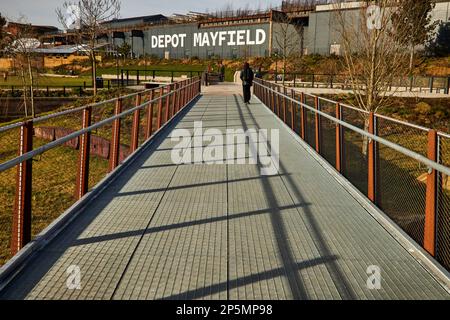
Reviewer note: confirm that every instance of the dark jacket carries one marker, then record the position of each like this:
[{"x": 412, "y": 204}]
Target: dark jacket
[{"x": 247, "y": 77}]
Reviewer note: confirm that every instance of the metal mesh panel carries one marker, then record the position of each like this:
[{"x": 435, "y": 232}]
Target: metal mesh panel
[
  {"x": 401, "y": 190},
  {"x": 412, "y": 138},
  {"x": 7, "y": 194},
  {"x": 310, "y": 130},
  {"x": 443, "y": 216},
  {"x": 328, "y": 133},
  {"x": 354, "y": 149},
  {"x": 401, "y": 187},
  {"x": 53, "y": 184},
  {"x": 9, "y": 145}
]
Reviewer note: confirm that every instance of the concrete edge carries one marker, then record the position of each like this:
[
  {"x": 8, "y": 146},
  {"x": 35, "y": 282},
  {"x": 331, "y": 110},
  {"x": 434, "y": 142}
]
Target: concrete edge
[
  {"x": 429, "y": 263},
  {"x": 16, "y": 264}
]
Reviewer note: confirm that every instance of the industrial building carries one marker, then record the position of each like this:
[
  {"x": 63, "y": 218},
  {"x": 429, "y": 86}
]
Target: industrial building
[{"x": 250, "y": 34}]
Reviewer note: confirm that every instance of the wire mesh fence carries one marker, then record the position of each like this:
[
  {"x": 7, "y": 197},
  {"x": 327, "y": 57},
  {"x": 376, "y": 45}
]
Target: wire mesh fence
[
  {"x": 310, "y": 123},
  {"x": 328, "y": 132},
  {"x": 401, "y": 180},
  {"x": 443, "y": 214},
  {"x": 7, "y": 194},
  {"x": 354, "y": 149}
]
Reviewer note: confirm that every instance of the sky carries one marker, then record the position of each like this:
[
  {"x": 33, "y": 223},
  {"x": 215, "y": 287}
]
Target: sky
[{"x": 42, "y": 12}]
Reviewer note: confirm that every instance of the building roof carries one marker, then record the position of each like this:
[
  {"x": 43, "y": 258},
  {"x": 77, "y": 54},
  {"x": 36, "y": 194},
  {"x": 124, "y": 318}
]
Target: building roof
[{"x": 145, "y": 19}]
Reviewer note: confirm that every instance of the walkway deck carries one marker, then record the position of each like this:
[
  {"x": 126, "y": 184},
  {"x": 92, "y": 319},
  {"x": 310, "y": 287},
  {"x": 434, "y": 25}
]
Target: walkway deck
[{"x": 224, "y": 231}]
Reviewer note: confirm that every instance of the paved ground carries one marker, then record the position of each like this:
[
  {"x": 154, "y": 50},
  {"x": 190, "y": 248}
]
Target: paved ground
[{"x": 225, "y": 231}]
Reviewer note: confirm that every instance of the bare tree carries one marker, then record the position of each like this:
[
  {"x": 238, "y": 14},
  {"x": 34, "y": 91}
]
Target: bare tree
[
  {"x": 22, "y": 49},
  {"x": 414, "y": 17},
  {"x": 91, "y": 16},
  {"x": 372, "y": 57},
  {"x": 289, "y": 38}
]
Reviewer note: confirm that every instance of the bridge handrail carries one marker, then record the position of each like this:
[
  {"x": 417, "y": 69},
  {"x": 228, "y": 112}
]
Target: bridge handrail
[
  {"x": 29, "y": 155},
  {"x": 431, "y": 164},
  {"x": 73, "y": 110}
]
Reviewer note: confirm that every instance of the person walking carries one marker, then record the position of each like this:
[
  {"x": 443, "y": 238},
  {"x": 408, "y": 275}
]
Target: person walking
[{"x": 247, "y": 77}]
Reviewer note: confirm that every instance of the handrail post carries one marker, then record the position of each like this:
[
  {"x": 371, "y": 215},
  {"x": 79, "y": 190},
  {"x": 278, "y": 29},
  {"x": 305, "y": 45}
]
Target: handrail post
[
  {"x": 338, "y": 138},
  {"x": 149, "y": 127},
  {"x": 115, "y": 139},
  {"x": 302, "y": 117},
  {"x": 175, "y": 99},
  {"x": 284, "y": 104},
  {"x": 317, "y": 123},
  {"x": 135, "y": 127},
  {"x": 167, "y": 113},
  {"x": 21, "y": 225},
  {"x": 160, "y": 106},
  {"x": 82, "y": 185},
  {"x": 431, "y": 196},
  {"x": 292, "y": 110},
  {"x": 272, "y": 98},
  {"x": 371, "y": 161}
]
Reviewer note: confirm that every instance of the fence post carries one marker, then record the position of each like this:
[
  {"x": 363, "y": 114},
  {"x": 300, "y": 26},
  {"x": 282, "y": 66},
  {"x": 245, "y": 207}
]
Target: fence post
[
  {"x": 149, "y": 128},
  {"x": 82, "y": 185},
  {"x": 135, "y": 127},
  {"x": 292, "y": 110},
  {"x": 338, "y": 138},
  {"x": 137, "y": 77},
  {"x": 167, "y": 113},
  {"x": 317, "y": 123},
  {"x": 115, "y": 138},
  {"x": 371, "y": 161},
  {"x": 284, "y": 104},
  {"x": 21, "y": 225},
  {"x": 302, "y": 117},
  {"x": 272, "y": 98},
  {"x": 431, "y": 196},
  {"x": 431, "y": 84},
  {"x": 160, "y": 106}
]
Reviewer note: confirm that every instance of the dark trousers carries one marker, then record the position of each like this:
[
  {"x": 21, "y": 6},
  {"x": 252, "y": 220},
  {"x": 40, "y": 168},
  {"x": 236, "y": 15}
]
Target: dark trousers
[{"x": 247, "y": 93}]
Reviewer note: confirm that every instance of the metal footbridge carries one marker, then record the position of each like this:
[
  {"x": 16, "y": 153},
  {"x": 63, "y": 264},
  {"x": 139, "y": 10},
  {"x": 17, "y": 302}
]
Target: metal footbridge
[{"x": 157, "y": 229}]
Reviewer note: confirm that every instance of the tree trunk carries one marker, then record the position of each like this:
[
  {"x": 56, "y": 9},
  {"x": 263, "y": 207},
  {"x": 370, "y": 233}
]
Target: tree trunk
[
  {"x": 411, "y": 61},
  {"x": 30, "y": 71},
  {"x": 24, "y": 83},
  {"x": 94, "y": 72}
]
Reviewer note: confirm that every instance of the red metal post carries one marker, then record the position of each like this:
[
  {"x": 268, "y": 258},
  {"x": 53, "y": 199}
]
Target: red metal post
[
  {"x": 272, "y": 98},
  {"x": 21, "y": 225},
  {"x": 167, "y": 113},
  {"x": 160, "y": 107},
  {"x": 371, "y": 161},
  {"x": 115, "y": 139},
  {"x": 149, "y": 127},
  {"x": 302, "y": 117},
  {"x": 338, "y": 139},
  {"x": 431, "y": 196},
  {"x": 175, "y": 99},
  {"x": 135, "y": 127},
  {"x": 292, "y": 110},
  {"x": 284, "y": 104},
  {"x": 82, "y": 184},
  {"x": 317, "y": 123}
]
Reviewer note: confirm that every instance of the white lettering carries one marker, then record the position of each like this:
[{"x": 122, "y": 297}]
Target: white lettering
[
  {"x": 241, "y": 37},
  {"x": 260, "y": 36}
]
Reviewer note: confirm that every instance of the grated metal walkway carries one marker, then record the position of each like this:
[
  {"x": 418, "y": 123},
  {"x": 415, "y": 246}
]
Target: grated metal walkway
[{"x": 224, "y": 231}]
